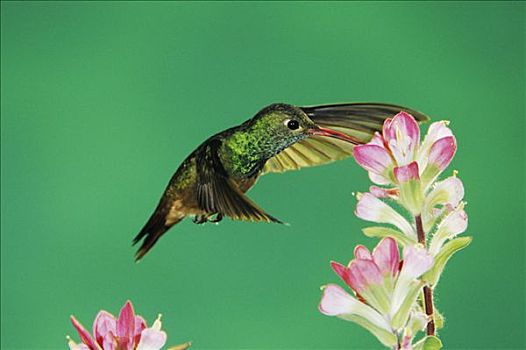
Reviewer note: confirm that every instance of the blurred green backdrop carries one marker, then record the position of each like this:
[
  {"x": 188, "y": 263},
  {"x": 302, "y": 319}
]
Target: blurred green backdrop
[{"x": 102, "y": 101}]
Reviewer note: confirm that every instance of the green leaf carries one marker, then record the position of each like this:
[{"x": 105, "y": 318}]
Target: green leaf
[
  {"x": 443, "y": 256},
  {"x": 428, "y": 343},
  {"x": 386, "y": 338},
  {"x": 439, "y": 319},
  {"x": 381, "y": 232}
]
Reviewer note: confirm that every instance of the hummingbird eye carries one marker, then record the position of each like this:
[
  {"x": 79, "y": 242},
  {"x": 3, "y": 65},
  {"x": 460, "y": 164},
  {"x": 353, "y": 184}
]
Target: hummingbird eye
[{"x": 293, "y": 124}]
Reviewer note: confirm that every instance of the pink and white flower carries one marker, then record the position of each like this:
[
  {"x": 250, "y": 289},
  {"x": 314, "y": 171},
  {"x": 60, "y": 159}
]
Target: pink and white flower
[
  {"x": 385, "y": 289},
  {"x": 442, "y": 198},
  {"x": 399, "y": 146},
  {"x": 128, "y": 332}
]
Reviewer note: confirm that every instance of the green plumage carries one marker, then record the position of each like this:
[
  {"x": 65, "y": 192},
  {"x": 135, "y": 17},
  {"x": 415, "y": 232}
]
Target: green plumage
[{"x": 212, "y": 180}]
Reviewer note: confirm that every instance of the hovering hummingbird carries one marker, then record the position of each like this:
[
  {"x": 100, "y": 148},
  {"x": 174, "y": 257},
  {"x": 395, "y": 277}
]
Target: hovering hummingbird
[{"x": 212, "y": 181}]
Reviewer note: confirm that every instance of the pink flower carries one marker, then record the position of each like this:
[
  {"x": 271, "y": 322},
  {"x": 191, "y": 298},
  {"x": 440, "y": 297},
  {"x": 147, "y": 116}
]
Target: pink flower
[
  {"x": 381, "y": 282},
  {"x": 128, "y": 332},
  {"x": 402, "y": 137},
  {"x": 386, "y": 155},
  {"x": 444, "y": 197},
  {"x": 375, "y": 159}
]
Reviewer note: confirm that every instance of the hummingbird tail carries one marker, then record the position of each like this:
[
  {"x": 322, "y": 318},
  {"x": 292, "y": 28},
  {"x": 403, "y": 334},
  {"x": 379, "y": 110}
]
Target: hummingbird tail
[{"x": 151, "y": 232}]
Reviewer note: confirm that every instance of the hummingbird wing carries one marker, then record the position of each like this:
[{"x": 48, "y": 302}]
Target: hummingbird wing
[
  {"x": 217, "y": 193},
  {"x": 358, "y": 120}
]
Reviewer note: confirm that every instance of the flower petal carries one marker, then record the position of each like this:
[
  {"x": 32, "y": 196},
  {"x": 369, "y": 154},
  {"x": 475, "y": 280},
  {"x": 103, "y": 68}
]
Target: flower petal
[
  {"x": 84, "y": 335},
  {"x": 447, "y": 193},
  {"x": 435, "y": 132},
  {"x": 361, "y": 252},
  {"x": 366, "y": 279},
  {"x": 337, "y": 302},
  {"x": 387, "y": 257},
  {"x": 126, "y": 326},
  {"x": 402, "y": 135},
  {"x": 416, "y": 261},
  {"x": 407, "y": 172},
  {"x": 140, "y": 325},
  {"x": 403, "y": 123},
  {"x": 379, "y": 179},
  {"x": 341, "y": 271},
  {"x": 453, "y": 224},
  {"x": 377, "y": 140},
  {"x": 373, "y": 209},
  {"x": 373, "y": 158},
  {"x": 363, "y": 274},
  {"x": 152, "y": 338},
  {"x": 440, "y": 155},
  {"x": 74, "y": 346},
  {"x": 442, "y": 152},
  {"x": 105, "y": 329},
  {"x": 381, "y": 192}
]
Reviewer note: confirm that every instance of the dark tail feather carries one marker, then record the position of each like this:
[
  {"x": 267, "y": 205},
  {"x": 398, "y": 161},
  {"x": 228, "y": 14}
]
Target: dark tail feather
[{"x": 151, "y": 232}]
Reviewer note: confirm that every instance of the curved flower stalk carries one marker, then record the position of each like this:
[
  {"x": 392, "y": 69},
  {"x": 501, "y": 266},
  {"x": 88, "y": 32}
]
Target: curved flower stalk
[
  {"x": 405, "y": 172},
  {"x": 128, "y": 332}
]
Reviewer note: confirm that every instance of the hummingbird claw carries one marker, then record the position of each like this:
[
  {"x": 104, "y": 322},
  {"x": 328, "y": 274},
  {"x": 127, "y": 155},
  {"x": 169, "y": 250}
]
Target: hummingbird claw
[
  {"x": 202, "y": 219},
  {"x": 217, "y": 219}
]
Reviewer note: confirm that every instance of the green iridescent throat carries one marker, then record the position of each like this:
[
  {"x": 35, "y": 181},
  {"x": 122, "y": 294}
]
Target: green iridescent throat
[{"x": 246, "y": 149}]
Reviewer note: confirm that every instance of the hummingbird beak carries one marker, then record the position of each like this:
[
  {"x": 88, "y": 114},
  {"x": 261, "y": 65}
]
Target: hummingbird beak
[{"x": 320, "y": 131}]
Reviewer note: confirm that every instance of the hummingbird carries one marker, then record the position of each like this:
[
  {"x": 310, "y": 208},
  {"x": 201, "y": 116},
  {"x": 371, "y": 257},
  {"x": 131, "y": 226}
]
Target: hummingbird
[{"x": 213, "y": 180}]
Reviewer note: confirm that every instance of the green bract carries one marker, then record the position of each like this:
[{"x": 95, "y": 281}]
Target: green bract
[
  {"x": 447, "y": 251},
  {"x": 428, "y": 343},
  {"x": 381, "y": 232}
]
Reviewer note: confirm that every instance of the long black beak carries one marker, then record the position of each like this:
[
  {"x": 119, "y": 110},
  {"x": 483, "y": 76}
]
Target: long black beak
[{"x": 320, "y": 131}]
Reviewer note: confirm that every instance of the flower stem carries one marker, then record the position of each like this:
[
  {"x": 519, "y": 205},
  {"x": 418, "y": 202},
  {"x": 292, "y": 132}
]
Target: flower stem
[{"x": 428, "y": 292}]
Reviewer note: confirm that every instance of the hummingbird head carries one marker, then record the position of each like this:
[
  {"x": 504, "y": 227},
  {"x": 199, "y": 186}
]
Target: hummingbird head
[{"x": 282, "y": 125}]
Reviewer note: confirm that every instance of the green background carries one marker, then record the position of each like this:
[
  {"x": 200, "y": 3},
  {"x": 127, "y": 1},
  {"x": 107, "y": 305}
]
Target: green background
[{"x": 102, "y": 101}]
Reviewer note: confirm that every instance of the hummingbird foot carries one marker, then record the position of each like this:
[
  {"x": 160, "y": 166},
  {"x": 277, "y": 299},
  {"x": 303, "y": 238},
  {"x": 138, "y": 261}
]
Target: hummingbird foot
[
  {"x": 213, "y": 218},
  {"x": 200, "y": 219},
  {"x": 217, "y": 219}
]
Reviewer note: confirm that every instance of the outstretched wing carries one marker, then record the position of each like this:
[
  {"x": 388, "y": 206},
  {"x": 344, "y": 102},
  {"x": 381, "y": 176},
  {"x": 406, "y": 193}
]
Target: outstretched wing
[
  {"x": 217, "y": 193},
  {"x": 358, "y": 120}
]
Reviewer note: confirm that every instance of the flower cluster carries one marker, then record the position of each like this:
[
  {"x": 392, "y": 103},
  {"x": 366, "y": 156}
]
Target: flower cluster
[
  {"x": 388, "y": 301},
  {"x": 385, "y": 290},
  {"x": 128, "y": 332},
  {"x": 396, "y": 157}
]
